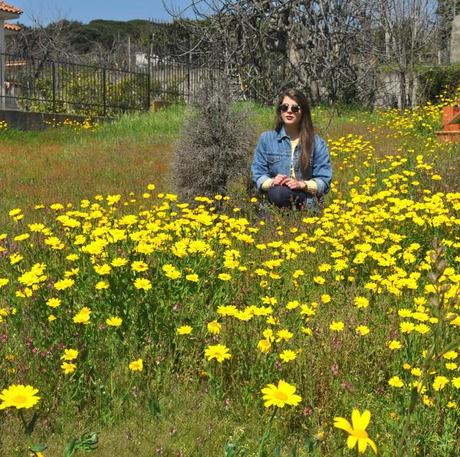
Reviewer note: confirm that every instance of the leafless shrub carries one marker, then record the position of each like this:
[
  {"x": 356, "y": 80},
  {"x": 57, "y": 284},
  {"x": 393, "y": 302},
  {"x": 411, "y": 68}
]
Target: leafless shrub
[{"x": 215, "y": 144}]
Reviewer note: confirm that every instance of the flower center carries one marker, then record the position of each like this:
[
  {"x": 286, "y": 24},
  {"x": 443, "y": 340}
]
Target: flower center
[
  {"x": 19, "y": 399},
  {"x": 281, "y": 396},
  {"x": 360, "y": 434}
]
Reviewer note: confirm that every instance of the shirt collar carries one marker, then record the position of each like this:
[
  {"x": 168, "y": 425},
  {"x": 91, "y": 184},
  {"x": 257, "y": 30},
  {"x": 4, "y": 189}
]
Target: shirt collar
[{"x": 281, "y": 134}]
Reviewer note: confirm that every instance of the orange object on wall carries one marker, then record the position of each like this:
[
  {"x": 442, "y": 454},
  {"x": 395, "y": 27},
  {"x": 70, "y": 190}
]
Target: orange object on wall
[
  {"x": 451, "y": 114},
  {"x": 450, "y": 124}
]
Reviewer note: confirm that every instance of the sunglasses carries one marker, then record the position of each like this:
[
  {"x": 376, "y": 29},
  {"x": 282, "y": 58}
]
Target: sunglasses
[{"x": 285, "y": 107}]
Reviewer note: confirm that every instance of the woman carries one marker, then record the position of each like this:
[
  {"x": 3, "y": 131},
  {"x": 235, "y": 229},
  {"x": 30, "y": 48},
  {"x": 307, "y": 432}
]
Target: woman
[{"x": 292, "y": 164}]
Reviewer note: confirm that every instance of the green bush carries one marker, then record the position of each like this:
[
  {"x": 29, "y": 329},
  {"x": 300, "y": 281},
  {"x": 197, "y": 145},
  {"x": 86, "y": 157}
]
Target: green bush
[{"x": 434, "y": 81}]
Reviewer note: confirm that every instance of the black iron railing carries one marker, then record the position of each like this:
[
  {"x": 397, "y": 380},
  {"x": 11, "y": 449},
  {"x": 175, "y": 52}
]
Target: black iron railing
[{"x": 45, "y": 85}]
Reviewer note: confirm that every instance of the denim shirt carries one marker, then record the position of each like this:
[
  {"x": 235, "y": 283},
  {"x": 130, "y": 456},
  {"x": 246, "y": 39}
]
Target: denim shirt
[{"x": 273, "y": 157}]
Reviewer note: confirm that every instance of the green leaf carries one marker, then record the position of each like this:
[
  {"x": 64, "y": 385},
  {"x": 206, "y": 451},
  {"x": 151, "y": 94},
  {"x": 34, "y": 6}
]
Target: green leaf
[
  {"x": 154, "y": 407},
  {"x": 37, "y": 448}
]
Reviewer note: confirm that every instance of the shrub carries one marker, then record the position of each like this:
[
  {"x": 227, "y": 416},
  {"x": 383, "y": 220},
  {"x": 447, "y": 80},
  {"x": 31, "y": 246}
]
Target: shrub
[
  {"x": 215, "y": 144},
  {"x": 434, "y": 81}
]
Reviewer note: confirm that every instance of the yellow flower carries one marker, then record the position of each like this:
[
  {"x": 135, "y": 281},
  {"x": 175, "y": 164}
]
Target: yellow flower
[
  {"x": 64, "y": 284},
  {"x": 69, "y": 354},
  {"x": 114, "y": 321},
  {"x": 100, "y": 285},
  {"x": 450, "y": 355},
  {"x": 440, "y": 382},
  {"x": 283, "y": 335},
  {"x": 171, "y": 271},
  {"x": 280, "y": 395},
  {"x": 184, "y": 330},
  {"x": 139, "y": 266},
  {"x": 394, "y": 345},
  {"x": 192, "y": 277},
  {"x": 396, "y": 381},
  {"x": 142, "y": 283},
  {"x": 288, "y": 355},
  {"x": 224, "y": 277},
  {"x": 361, "y": 302},
  {"x": 337, "y": 326},
  {"x": 119, "y": 262},
  {"x": 218, "y": 352},
  {"x": 19, "y": 396},
  {"x": 362, "y": 330},
  {"x": 102, "y": 270},
  {"x": 319, "y": 280},
  {"x": 214, "y": 327},
  {"x": 406, "y": 327},
  {"x": 264, "y": 346},
  {"x": 82, "y": 317},
  {"x": 68, "y": 367},
  {"x": 356, "y": 430},
  {"x": 53, "y": 302},
  {"x": 136, "y": 365}
]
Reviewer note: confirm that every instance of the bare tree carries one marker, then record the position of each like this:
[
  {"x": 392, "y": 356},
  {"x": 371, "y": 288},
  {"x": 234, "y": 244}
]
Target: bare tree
[
  {"x": 315, "y": 44},
  {"x": 409, "y": 28}
]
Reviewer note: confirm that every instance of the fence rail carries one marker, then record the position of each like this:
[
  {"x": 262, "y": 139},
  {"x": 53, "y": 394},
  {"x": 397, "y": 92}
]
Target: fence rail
[{"x": 44, "y": 85}]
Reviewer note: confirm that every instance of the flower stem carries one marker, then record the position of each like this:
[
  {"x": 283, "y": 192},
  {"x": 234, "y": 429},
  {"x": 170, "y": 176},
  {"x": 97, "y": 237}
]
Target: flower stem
[{"x": 266, "y": 435}]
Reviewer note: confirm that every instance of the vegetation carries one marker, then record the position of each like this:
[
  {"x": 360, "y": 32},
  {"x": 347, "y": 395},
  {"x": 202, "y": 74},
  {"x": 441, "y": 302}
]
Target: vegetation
[
  {"x": 183, "y": 329},
  {"x": 214, "y": 145}
]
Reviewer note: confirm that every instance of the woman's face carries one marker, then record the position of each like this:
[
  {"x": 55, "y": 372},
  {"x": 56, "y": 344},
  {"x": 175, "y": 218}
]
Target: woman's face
[{"x": 291, "y": 113}]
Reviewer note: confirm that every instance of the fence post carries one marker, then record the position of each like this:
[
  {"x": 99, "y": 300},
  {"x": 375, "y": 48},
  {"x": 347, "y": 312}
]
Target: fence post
[
  {"x": 53, "y": 79},
  {"x": 149, "y": 78},
  {"x": 104, "y": 92}
]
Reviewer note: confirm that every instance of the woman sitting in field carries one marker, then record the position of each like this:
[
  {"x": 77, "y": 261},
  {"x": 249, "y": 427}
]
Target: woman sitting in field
[{"x": 291, "y": 163}]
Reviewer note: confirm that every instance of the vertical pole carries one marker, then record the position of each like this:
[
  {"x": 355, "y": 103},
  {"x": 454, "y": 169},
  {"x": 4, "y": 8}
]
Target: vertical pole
[
  {"x": 53, "y": 78},
  {"x": 129, "y": 52},
  {"x": 2, "y": 65},
  {"x": 149, "y": 76},
  {"x": 104, "y": 92},
  {"x": 189, "y": 72}
]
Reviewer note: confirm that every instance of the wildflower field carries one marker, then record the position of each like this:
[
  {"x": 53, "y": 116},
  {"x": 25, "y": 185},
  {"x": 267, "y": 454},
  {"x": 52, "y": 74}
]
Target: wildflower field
[{"x": 132, "y": 323}]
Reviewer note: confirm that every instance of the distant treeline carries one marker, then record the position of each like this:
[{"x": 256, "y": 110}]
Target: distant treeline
[{"x": 102, "y": 39}]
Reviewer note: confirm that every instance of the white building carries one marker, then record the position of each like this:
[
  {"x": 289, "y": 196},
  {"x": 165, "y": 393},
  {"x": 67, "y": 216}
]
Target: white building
[{"x": 6, "y": 12}]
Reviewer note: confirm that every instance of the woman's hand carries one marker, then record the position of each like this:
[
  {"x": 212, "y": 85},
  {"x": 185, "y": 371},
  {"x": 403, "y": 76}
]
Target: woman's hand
[
  {"x": 293, "y": 184},
  {"x": 279, "y": 180}
]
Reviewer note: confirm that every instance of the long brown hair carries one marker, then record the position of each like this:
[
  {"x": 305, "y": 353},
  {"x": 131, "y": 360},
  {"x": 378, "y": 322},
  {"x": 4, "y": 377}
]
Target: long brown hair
[{"x": 307, "y": 132}]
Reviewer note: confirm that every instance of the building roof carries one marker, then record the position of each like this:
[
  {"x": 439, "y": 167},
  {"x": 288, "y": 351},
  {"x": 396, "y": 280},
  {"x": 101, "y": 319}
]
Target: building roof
[
  {"x": 12, "y": 27},
  {"x": 5, "y": 7}
]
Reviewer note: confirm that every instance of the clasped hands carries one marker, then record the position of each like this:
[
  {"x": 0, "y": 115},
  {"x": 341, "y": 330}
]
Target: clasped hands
[{"x": 293, "y": 184}]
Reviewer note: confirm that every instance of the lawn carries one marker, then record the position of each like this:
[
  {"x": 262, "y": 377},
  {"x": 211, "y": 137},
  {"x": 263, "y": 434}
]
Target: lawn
[{"x": 177, "y": 329}]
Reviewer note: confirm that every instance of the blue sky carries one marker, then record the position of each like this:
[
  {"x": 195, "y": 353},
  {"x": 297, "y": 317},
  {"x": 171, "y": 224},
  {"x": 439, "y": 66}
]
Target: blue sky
[{"x": 86, "y": 10}]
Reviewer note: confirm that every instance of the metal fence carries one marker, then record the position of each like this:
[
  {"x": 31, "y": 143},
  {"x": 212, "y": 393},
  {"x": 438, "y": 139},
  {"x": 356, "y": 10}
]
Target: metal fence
[{"x": 44, "y": 85}]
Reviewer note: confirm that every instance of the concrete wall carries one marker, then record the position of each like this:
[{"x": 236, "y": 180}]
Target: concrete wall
[
  {"x": 38, "y": 121},
  {"x": 455, "y": 41},
  {"x": 388, "y": 93}
]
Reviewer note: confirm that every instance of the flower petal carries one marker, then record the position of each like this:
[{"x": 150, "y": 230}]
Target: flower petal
[
  {"x": 342, "y": 423},
  {"x": 362, "y": 445},
  {"x": 372, "y": 445},
  {"x": 351, "y": 441}
]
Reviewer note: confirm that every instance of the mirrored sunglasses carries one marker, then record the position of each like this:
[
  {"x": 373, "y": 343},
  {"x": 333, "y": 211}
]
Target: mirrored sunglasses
[{"x": 285, "y": 107}]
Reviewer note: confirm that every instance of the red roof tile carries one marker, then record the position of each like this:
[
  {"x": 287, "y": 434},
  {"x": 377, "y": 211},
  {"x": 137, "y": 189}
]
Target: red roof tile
[
  {"x": 12, "y": 27},
  {"x": 9, "y": 8}
]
